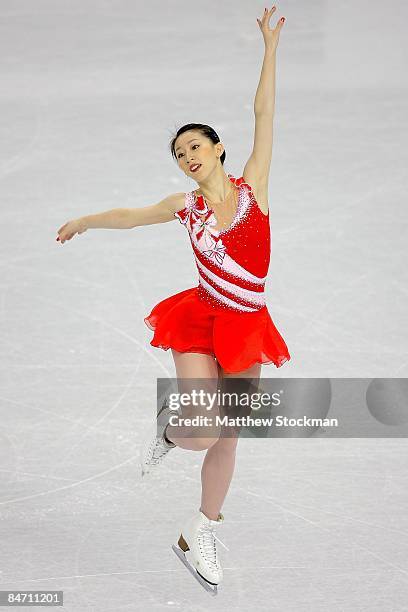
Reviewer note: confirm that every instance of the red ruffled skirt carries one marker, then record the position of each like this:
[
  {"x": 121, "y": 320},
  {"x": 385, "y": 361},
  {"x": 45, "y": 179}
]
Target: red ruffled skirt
[{"x": 237, "y": 340}]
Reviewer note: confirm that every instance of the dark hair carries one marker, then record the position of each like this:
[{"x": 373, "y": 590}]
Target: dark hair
[{"x": 205, "y": 130}]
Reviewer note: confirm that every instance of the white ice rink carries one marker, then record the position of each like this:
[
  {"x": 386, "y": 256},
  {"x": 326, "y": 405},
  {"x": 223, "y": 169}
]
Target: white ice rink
[{"x": 91, "y": 94}]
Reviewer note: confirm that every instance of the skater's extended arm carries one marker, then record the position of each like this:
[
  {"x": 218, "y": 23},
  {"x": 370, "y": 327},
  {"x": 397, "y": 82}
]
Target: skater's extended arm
[
  {"x": 125, "y": 218},
  {"x": 257, "y": 168}
]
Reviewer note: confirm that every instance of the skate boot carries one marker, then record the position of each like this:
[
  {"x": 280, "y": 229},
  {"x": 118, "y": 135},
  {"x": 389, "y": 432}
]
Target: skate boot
[
  {"x": 198, "y": 537},
  {"x": 155, "y": 447}
]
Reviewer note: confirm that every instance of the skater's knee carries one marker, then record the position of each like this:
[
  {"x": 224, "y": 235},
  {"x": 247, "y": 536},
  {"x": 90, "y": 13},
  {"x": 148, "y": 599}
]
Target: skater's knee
[
  {"x": 203, "y": 443},
  {"x": 197, "y": 444}
]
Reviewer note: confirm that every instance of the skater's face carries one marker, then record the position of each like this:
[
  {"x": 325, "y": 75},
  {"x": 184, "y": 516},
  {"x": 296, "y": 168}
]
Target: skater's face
[{"x": 193, "y": 148}]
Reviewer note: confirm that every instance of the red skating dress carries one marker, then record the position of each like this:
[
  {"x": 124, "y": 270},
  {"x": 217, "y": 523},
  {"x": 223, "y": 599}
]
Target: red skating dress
[{"x": 225, "y": 315}]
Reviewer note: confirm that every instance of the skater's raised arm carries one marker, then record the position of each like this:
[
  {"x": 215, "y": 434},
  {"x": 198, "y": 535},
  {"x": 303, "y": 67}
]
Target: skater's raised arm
[
  {"x": 125, "y": 218},
  {"x": 257, "y": 168}
]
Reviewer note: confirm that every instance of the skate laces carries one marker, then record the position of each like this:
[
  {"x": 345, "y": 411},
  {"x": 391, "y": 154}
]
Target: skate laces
[{"x": 208, "y": 543}]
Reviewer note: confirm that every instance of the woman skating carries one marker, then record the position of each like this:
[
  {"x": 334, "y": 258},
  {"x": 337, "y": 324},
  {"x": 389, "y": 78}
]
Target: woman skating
[{"x": 221, "y": 328}]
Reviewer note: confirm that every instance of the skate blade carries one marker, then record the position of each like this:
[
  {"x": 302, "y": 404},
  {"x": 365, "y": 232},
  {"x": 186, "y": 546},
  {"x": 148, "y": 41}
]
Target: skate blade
[{"x": 208, "y": 587}]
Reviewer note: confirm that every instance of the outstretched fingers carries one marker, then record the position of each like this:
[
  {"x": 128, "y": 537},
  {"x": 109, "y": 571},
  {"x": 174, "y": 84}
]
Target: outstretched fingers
[{"x": 264, "y": 21}]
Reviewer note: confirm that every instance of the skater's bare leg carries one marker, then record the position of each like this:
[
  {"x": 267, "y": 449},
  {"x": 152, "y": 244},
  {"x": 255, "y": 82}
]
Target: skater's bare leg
[
  {"x": 193, "y": 366},
  {"x": 219, "y": 462}
]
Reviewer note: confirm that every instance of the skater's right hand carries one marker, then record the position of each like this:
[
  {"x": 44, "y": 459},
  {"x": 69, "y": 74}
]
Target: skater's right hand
[{"x": 69, "y": 229}]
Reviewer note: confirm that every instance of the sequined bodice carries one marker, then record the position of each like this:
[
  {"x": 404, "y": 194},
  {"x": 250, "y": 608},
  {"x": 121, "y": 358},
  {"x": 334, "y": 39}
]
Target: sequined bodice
[{"x": 233, "y": 262}]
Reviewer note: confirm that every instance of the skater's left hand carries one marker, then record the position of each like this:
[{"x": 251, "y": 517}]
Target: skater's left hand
[{"x": 271, "y": 36}]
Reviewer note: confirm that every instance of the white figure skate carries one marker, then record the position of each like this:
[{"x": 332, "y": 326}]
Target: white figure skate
[
  {"x": 198, "y": 537},
  {"x": 155, "y": 448}
]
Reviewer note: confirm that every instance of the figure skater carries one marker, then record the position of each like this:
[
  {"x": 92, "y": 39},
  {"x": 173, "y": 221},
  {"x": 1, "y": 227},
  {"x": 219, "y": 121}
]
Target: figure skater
[{"x": 220, "y": 328}]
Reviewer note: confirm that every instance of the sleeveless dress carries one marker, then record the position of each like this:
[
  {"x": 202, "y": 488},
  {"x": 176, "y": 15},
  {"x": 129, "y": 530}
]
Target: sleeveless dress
[{"x": 225, "y": 315}]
